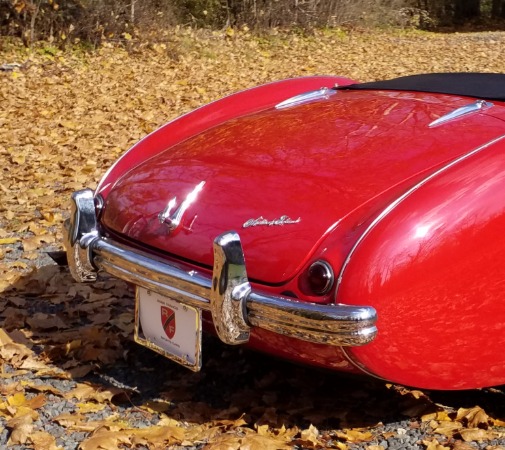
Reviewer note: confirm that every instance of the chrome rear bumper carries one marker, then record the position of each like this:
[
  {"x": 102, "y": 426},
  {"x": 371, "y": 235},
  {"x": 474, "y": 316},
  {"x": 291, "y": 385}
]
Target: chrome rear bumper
[{"x": 228, "y": 295}]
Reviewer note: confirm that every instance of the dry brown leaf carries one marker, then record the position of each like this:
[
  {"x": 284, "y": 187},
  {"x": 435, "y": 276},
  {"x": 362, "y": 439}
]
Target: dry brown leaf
[
  {"x": 85, "y": 408},
  {"x": 80, "y": 371},
  {"x": 34, "y": 363},
  {"x": 473, "y": 417},
  {"x": 41, "y": 321},
  {"x": 105, "y": 440},
  {"x": 30, "y": 385},
  {"x": 42, "y": 440},
  {"x": 11, "y": 351},
  {"x": 5, "y": 337},
  {"x": 20, "y": 337},
  {"x": 478, "y": 434},
  {"x": 87, "y": 392},
  {"x": 10, "y": 388},
  {"x": 460, "y": 445},
  {"x": 158, "y": 435},
  {"x": 68, "y": 419},
  {"x": 223, "y": 442},
  {"x": 36, "y": 402},
  {"x": 21, "y": 428},
  {"x": 77, "y": 422},
  {"x": 447, "y": 428},
  {"x": 35, "y": 242},
  {"x": 437, "y": 416},
  {"x": 355, "y": 435},
  {"x": 257, "y": 442},
  {"x": 435, "y": 445},
  {"x": 310, "y": 435}
]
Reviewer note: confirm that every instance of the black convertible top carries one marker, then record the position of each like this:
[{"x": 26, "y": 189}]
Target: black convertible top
[{"x": 485, "y": 86}]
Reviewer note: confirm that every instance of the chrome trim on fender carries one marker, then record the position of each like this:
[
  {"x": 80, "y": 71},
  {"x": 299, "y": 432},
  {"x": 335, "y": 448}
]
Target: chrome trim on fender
[
  {"x": 477, "y": 106},
  {"x": 406, "y": 194},
  {"x": 321, "y": 94},
  {"x": 234, "y": 306}
]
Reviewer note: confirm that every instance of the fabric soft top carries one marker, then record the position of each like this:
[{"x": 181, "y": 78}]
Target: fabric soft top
[{"x": 485, "y": 86}]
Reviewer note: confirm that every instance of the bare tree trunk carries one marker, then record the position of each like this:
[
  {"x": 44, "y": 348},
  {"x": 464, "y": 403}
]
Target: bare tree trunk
[
  {"x": 466, "y": 9},
  {"x": 228, "y": 13},
  {"x": 33, "y": 19},
  {"x": 498, "y": 9},
  {"x": 132, "y": 11}
]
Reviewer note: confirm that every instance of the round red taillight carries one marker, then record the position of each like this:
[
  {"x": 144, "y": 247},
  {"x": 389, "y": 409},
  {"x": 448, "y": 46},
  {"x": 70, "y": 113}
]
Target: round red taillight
[{"x": 320, "y": 277}]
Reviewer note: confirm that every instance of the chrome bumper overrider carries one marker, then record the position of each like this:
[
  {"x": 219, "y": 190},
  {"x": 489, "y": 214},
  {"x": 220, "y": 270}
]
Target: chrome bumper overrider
[{"x": 234, "y": 306}]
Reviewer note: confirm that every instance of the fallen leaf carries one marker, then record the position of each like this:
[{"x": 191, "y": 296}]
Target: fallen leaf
[
  {"x": 6, "y": 241},
  {"x": 41, "y": 321},
  {"x": 460, "y": 445},
  {"x": 21, "y": 429},
  {"x": 42, "y": 440},
  {"x": 435, "y": 445},
  {"x": 85, "y": 408},
  {"x": 473, "y": 417},
  {"x": 257, "y": 442},
  {"x": 86, "y": 392},
  {"x": 355, "y": 435},
  {"x": 478, "y": 434},
  {"x": 447, "y": 428},
  {"x": 310, "y": 435}
]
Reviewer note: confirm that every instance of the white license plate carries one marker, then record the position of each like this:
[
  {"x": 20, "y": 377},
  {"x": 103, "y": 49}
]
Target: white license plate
[{"x": 169, "y": 327}]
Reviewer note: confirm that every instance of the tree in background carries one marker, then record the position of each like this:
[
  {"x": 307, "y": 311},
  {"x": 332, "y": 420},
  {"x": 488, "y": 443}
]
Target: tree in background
[
  {"x": 498, "y": 9},
  {"x": 465, "y": 10},
  {"x": 92, "y": 21}
]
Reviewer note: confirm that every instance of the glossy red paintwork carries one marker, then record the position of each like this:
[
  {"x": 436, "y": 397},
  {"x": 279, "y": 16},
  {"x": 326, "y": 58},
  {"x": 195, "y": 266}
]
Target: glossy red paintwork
[
  {"x": 434, "y": 270},
  {"x": 422, "y": 208},
  {"x": 297, "y": 162},
  {"x": 235, "y": 105}
]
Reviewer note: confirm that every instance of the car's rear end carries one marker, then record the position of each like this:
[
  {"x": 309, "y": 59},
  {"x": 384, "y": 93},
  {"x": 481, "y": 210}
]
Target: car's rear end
[{"x": 254, "y": 220}]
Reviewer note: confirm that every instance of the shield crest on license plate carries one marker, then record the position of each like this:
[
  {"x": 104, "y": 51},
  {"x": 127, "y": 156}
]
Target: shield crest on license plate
[{"x": 168, "y": 321}]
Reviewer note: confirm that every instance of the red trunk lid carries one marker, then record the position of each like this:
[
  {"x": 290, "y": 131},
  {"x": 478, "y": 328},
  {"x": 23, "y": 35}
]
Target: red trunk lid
[{"x": 315, "y": 162}]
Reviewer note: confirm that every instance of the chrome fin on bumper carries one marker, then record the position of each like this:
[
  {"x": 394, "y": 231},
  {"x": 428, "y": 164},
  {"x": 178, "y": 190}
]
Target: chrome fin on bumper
[{"x": 234, "y": 305}]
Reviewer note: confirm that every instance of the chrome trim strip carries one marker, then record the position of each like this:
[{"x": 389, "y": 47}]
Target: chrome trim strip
[
  {"x": 320, "y": 94},
  {"x": 477, "y": 106},
  {"x": 234, "y": 306},
  {"x": 354, "y": 361},
  {"x": 406, "y": 194}
]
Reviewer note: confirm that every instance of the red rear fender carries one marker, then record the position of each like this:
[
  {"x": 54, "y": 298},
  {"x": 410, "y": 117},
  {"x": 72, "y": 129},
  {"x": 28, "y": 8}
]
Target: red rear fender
[{"x": 434, "y": 269}]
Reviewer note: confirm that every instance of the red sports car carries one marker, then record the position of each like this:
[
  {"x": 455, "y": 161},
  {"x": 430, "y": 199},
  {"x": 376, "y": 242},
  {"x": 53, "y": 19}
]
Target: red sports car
[{"x": 357, "y": 227}]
